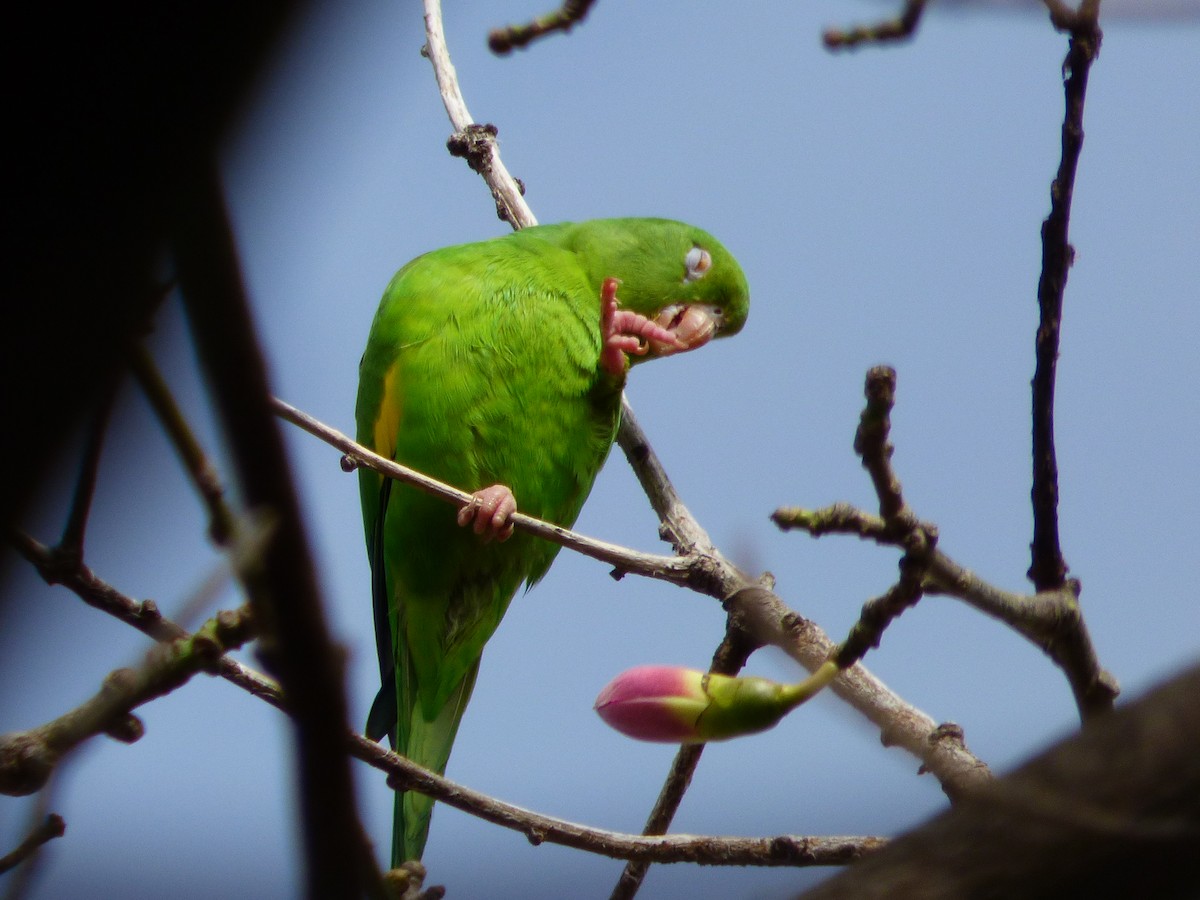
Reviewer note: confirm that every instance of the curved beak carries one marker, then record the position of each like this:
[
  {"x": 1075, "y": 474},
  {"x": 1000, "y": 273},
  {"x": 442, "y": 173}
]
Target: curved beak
[{"x": 693, "y": 325}]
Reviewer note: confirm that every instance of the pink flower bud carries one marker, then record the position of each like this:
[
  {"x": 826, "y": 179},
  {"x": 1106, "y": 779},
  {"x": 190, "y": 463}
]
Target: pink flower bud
[{"x": 677, "y": 705}]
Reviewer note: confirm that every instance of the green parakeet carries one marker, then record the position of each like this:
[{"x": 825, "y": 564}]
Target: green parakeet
[{"x": 498, "y": 367}]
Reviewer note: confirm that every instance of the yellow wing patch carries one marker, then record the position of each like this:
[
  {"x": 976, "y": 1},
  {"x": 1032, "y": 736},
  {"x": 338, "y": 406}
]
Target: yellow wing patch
[{"x": 387, "y": 422}]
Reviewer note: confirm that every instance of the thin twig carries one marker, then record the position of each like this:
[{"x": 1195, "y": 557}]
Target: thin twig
[
  {"x": 28, "y": 758},
  {"x": 71, "y": 542},
  {"x": 784, "y": 850},
  {"x": 900, "y": 28},
  {"x": 1048, "y": 569},
  {"x": 203, "y": 474},
  {"x": 872, "y": 443},
  {"x": 504, "y": 40},
  {"x": 668, "y": 568},
  {"x": 1051, "y": 619},
  {"x": 50, "y": 828},
  {"x": 510, "y": 204}
]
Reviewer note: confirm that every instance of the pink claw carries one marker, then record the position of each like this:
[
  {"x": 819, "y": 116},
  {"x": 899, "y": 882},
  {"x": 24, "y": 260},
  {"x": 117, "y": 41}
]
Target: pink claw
[
  {"x": 489, "y": 512},
  {"x": 624, "y": 331}
]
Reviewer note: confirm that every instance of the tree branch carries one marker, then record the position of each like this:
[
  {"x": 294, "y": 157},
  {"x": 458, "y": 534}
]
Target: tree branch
[
  {"x": 1048, "y": 569},
  {"x": 783, "y": 850},
  {"x": 28, "y": 758},
  {"x": 901, "y": 28},
  {"x": 50, "y": 828},
  {"x": 1109, "y": 812},
  {"x": 705, "y": 570},
  {"x": 204, "y": 476},
  {"x": 294, "y": 641},
  {"x": 510, "y": 204},
  {"x": 677, "y": 570},
  {"x": 1050, "y": 619},
  {"x": 504, "y": 40}
]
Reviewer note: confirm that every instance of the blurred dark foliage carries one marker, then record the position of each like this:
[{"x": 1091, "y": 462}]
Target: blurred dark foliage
[{"x": 109, "y": 109}]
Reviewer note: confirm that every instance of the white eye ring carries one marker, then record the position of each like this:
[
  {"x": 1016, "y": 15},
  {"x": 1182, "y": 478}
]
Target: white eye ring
[{"x": 698, "y": 262}]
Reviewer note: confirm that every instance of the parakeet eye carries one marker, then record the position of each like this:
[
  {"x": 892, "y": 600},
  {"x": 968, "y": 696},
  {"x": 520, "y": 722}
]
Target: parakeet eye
[{"x": 698, "y": 262}]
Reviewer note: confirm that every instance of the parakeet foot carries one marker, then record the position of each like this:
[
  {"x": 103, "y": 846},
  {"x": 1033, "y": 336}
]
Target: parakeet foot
[
  {"x": 624, "y": 331},
  {"x": 489, "y": 511}
]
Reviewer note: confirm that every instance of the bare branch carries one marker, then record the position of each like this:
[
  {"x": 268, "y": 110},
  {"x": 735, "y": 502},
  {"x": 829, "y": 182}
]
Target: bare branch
[
  {"x": 71, "y": 542},
  {"x": 294, "y": 640},
  {"x": 676, "y": 570},
  {"x": 502, "y": 41},
  {"x": 143, "y": 615},
  {"x": 1051, "y": 619},
  {"x": 1048, "y": 569},
  {"x": 203, "y": 474},
  {"x": 510, "y": 204},
  {"x": 28, "y": 758},
  {"x": 784, "y": 850},
  {"x": 940, "y": 748},
  {"x": 50, "y": 828},
  {"x": 902, "y": 27}
]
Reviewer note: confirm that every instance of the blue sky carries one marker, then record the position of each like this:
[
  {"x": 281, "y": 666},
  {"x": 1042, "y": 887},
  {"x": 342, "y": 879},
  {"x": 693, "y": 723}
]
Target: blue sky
[{"x": 886, "y": 206}]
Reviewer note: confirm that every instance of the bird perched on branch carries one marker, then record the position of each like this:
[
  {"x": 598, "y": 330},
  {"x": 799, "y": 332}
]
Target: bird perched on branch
[{"x": 498, "y": 367}]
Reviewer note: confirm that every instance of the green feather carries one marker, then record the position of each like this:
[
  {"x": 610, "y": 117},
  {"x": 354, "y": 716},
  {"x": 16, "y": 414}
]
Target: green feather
[{"x": 482, "y": 367}]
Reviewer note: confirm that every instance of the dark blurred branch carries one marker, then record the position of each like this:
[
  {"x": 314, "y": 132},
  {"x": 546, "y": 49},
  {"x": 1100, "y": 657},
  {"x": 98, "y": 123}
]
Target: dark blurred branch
[
  {"x": 1048, "y": 569},
  {"x": 504, "y": 40},
  {"x": 204, "y": 476},
  {"x": 900, "y": 28},
  {"x": 71, "y": 542},
  {"x": 1110, "y": 812},
  {"x": 50, "y": 828},
  {"x": 110, "y": 99},
  {"x": 295, "y": 643}
]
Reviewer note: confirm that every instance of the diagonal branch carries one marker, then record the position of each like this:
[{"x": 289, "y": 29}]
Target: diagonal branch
[
  {"x": 504, "y": 40},
  {"x": 47, "y": 830},
  {"x": 29, "y": 758},
  {"x": 677, "y": 570},
  {"x": 204, "y": 476},
  {"x": 900, "y": 28},
  {"x": 782, "y": 850},
  {"x": 706, "y": 571}
]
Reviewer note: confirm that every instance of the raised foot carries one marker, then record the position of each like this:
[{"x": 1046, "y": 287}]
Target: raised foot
[
  {"x": 488, "y": 513},
  {"x": 624, "y": 331}
]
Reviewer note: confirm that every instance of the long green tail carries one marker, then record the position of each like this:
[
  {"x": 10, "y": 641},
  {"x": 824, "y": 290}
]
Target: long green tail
[{"x": 426, "y": 743}]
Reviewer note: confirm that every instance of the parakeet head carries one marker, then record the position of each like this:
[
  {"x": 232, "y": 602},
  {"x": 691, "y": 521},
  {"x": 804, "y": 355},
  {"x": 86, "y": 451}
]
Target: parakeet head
[{"x": 675, "y": 274}]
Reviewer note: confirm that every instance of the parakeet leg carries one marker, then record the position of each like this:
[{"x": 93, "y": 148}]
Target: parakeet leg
[
  {"x": 489, "y": 511},
  {"x": 624, "y": 331}
]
